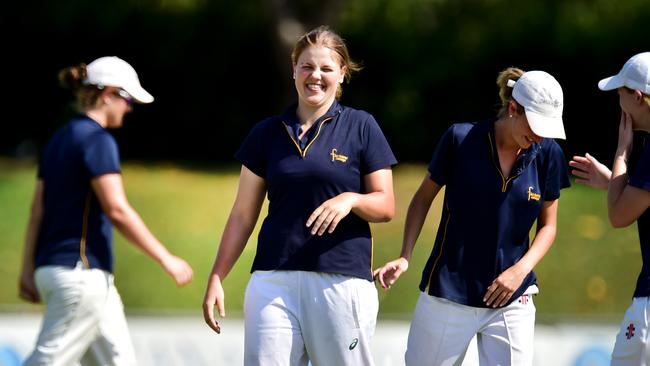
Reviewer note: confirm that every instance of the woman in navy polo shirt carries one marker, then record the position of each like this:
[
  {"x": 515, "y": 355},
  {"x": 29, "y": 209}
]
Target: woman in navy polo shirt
[
  {"x": 500, "y": 177},
  {"x": 327, "y": 171},
  {"x": 68, "y": 257},
  {"x": 628, "y": 195}
]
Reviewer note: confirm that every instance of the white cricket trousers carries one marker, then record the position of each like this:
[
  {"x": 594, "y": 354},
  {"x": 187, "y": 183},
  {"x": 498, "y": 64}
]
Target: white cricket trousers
[
  {"x": 84, "y": 319},
  {"x": 441, "y": 331},
  {"x": 294, "y": 317},
  {"x": 632, "y": 346}
]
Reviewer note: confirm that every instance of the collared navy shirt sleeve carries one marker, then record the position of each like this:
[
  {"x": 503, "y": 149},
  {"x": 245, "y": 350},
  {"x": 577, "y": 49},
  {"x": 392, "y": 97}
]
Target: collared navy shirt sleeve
[
  {"x": 443, "y": 158},
  {"x": 557, "y": 176},
  {"x": 251, "y": 152},
  {"x": 100, "y": 154},
  {"x": 376, "y": 151},
  {"x": 640, "y": 177}
]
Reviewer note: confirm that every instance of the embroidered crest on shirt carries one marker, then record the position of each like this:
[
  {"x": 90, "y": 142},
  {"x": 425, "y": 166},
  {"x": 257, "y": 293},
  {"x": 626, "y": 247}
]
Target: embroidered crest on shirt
[
  {"x": 338, "y": 157},
  {"x": 532, "y": 195}
]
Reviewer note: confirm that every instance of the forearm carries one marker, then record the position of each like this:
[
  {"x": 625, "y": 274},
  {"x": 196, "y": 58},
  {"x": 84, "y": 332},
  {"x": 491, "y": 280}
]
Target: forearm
[
  {"x": 33, "y": 228},
  {"x": 616, "y": 184},
  {"x": 541, "y": 244},
  {"x": 415, "y": 217},
  {"x": 130, "y": 224},
  {"x": 233, "y": 241},
  {"x": 31, "y": 236},
  {"x": 374, "y": 206}
]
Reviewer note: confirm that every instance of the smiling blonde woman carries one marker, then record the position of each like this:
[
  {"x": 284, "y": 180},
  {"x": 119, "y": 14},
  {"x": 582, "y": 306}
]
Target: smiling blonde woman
[{"x": 326, "y": 169}]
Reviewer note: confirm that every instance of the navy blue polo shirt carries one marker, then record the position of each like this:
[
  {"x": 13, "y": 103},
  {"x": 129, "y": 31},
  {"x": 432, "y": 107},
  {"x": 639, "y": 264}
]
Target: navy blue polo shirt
[
  {"x": 344, "y": 146},
  {"x": 640, "y": 178},
  {"x": 486, "y": 217},
  {"x": 74, "y": 227}
]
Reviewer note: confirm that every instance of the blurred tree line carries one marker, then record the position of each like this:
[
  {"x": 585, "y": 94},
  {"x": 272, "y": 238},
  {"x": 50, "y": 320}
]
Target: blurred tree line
[{"x": 216, "y": 67}]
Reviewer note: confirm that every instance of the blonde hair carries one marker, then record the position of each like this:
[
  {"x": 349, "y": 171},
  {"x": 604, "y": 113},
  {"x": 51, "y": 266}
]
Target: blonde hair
[
  {"x": 73, "y": 78},
  {"x": 505, "y": 91},
  {"x": 323, "y": 36}
]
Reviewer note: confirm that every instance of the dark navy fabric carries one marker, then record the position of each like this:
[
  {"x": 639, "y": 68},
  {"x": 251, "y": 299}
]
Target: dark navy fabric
[
  {"x": 78, "y": 152},
  {"x": 295, "y": 128},
  {"x": 640, "y": 178},
  {"x": 486, "y": 217},
  {"x": 345, "y": 145}
]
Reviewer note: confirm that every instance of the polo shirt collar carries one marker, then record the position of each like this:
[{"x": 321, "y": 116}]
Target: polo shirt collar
[
  {"x": 292, "y": 122},
  {"x": 290, "y": 117}
]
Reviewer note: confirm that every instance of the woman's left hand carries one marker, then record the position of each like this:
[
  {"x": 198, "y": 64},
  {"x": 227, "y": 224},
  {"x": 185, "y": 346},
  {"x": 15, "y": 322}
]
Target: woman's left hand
[
  {"x": 502, "y": 288},
  {"x": 330, "y": 213}
]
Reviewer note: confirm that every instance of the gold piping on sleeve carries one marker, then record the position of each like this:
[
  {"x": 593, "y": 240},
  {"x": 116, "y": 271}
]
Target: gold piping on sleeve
[{"x": 84, "y": 231}]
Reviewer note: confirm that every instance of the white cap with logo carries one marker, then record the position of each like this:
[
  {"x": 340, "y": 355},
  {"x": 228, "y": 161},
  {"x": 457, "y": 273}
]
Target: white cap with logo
[
  {"x": 113, "y": 71},
  {"x": 542, "y": 98},
  {"x": 634, "y": 75}
]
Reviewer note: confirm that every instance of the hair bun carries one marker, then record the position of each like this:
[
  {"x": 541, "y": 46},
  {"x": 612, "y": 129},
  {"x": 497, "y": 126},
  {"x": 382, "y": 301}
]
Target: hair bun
[{"x": 73, "y": 77}]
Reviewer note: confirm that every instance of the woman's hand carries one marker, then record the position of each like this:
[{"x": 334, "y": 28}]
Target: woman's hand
[
  {"x": 330, "y": 213},
  {"x": 27, "y": 287},
  {"x": 178, "y": 269},
  {"x": 502, "y": 288},
  {"x": 390, "y": 272},
  {"x": 625, "y": 136},
  {"x": 214, "y": 296},
  {"x": 590, "y": 172}
]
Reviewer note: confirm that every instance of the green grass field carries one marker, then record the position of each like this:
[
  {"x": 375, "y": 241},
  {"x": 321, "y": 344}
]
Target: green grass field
[{"x": 590, "y": 270}]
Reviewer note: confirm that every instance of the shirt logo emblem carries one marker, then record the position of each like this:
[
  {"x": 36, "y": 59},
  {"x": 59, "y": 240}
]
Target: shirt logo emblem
[
  {"x": 338, "y": 157},
  {"x": 532, "y": 195},
  {"x": 630, "y": 331}
]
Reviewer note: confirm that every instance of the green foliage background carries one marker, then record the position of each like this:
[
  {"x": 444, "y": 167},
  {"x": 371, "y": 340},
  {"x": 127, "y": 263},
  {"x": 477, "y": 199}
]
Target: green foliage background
[
  {"x": 590, "y": 270},
  {"x": 217, "y": 67}
]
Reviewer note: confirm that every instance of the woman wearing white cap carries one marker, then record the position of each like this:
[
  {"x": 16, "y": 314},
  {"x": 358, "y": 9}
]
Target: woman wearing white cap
[
  {"x": 501, "y": 176},
  {"x": 628, "y": 196},
  {"x": 68, "y": 256}
]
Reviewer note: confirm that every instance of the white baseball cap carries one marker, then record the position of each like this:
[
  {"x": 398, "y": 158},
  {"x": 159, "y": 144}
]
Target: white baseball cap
[
  {"x": 113, "y": 71},
  {"x": 635, "y": 75},
  {"x": 542, "y": 98}
]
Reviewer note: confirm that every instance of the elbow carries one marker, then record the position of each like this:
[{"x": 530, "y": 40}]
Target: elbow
[
  {"x": 117, "y": 215},
  {"x": 618, "y": 222},
  {"x": 385, "y": 218},
  {"x": 389, "y": 212},
  {"x": 379, "y": 217},
  {"x": 618, "y": 218},
  {"x": 387, "y": 215}
]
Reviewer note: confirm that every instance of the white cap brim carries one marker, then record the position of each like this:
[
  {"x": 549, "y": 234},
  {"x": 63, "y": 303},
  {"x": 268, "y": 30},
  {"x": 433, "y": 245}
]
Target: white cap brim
[
  {"x": 546, "y": 127},
  {"x": 139, "y": 94},
  {"x": 611, "y": 83}
]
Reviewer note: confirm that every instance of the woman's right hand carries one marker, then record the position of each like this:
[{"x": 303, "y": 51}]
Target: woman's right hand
[
  {"x": 214, "y": 296},
  {"x": 390, "y": 272},
  {"x": 178, "y": 269},
  {"x": 27, "y": 287}
]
